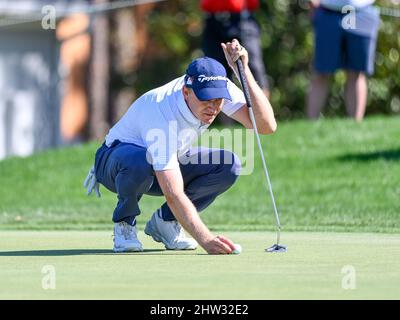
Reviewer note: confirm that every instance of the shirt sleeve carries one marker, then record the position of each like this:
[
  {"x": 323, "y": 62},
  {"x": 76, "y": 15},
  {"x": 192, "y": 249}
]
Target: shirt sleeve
[{"x": 238, "y": 99}]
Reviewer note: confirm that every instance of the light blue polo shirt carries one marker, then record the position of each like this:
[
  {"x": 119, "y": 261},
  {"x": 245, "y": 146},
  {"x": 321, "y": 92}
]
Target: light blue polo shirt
[
  {"x": 339, "y": 4},
  {"x": 161, "y": 122}
]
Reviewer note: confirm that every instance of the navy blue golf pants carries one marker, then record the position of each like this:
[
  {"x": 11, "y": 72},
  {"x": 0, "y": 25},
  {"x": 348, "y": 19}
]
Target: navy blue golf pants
[{"x": 123, "y": 168}]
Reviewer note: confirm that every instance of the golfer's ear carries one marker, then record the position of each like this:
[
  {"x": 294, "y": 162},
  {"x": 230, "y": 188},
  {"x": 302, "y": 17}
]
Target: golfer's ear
[{"x": 185, "y": 91}]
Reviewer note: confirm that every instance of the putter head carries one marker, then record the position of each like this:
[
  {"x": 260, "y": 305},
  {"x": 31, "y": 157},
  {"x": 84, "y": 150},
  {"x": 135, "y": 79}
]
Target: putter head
[{"x": 277, "y": 248}]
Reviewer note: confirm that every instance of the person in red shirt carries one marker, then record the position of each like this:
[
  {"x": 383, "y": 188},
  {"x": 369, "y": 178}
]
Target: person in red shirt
[{"x": 234, "y": 19}]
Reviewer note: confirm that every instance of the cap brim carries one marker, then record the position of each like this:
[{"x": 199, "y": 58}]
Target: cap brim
[{"x": 205, "y": 94}]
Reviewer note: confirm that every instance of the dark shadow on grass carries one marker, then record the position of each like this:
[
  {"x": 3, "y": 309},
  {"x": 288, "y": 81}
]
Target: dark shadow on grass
[
  {"x": 78, "y": 252},
  {"x": 387, "y": 155}
]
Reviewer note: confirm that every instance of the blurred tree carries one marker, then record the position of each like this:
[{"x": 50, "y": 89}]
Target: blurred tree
[
  {"x": 72, "y": 32},
  {"x": 130, "y": 37},
  {"x": 99, "y": 71},
  {"x": 175, "y": 28}
]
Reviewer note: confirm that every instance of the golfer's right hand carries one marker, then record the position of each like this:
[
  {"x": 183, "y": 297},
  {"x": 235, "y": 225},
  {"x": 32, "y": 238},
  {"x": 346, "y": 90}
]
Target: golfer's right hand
[
  {"x": 219, "y": 245},
  {"x": 314, "y": 5}
]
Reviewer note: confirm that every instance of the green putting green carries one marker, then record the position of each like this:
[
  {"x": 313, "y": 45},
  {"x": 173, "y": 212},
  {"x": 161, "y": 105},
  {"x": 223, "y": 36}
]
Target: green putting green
[{"x": 81, "y": 265}]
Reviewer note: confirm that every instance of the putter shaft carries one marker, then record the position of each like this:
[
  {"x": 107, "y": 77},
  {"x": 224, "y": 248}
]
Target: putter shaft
[{"x": 253, "y": 120}]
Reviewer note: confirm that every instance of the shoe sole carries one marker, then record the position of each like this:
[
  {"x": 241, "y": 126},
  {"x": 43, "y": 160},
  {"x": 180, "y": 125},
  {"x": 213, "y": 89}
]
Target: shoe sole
[
  {"x": 117, "y": 250},
  {"x": 150, "y": 232}
]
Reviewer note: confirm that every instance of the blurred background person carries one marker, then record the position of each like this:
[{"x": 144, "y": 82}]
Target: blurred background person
[
  {"x": 345, "y": 37},
  {"x": 228, "y": 19}
]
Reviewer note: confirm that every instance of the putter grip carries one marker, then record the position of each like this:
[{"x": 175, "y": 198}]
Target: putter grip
[{"x": 243, "y": 82}]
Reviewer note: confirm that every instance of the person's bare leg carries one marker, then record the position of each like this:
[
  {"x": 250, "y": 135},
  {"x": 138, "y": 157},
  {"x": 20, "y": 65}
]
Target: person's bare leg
[
  {"x": 356, "y": 94},
  {"x": 317, "y": 94}
]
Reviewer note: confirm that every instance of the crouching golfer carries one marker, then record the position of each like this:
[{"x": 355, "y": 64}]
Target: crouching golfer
[{"x": 148, "y": 151}]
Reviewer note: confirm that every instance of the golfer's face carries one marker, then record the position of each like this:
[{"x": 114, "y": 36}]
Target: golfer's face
[{"x": 205, "y": 111}]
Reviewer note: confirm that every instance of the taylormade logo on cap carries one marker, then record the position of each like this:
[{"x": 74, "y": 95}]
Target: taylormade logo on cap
[
  {"x": 202, "y": 78},
  {"x": 207, "y": 78}
]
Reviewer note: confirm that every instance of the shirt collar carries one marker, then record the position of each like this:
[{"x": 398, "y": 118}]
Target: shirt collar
[{"x": 185, "y": 111}]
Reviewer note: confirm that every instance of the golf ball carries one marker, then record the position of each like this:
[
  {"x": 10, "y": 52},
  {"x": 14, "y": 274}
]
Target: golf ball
[{"x": 238, "y": 249}]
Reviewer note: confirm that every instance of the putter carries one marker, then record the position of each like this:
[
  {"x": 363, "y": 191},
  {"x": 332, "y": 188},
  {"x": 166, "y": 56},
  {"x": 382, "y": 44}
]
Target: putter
[{"x": 276, "y": 247}]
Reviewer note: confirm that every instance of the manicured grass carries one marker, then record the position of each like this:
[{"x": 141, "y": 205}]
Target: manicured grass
[
  {"x": 331, "y": 175},
  {"x": 316, "y": 266}
]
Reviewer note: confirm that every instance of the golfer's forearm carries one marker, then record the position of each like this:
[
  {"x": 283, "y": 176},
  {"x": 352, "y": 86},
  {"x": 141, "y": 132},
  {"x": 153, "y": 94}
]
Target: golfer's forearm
[
  {"x": 187, "y": 215},
  {"x": 263, "y": 112}
]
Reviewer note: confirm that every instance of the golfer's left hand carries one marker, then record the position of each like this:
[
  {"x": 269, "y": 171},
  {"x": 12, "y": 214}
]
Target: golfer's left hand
[
  {"x": 219, "y": 245},
  {"x": 233, "y": 51}
]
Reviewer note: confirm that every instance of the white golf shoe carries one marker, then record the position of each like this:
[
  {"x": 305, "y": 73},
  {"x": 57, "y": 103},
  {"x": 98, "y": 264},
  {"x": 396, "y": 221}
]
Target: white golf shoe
[
  {"x": 125, "y": 238},
  {"x": 170, "y": 233}
]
